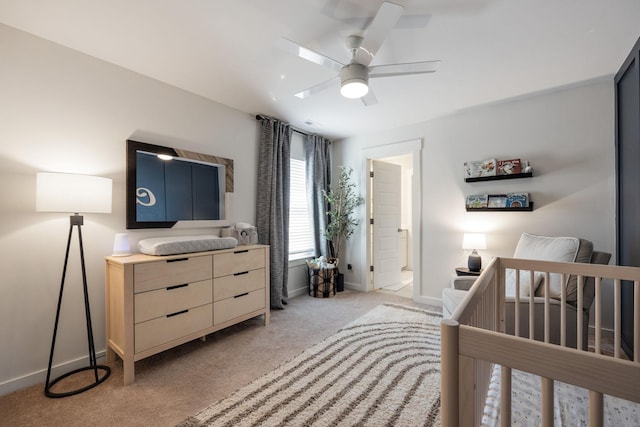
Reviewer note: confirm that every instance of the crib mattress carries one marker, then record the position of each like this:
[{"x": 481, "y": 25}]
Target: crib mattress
[
  {"x": 172, "y": 245},
  {"x": 571, "y": 404}
]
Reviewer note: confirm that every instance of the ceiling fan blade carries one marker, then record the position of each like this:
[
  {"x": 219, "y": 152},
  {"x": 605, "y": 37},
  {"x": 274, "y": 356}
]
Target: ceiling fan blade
[
  {"x": 310, "y": 55},
  {"x": 369, "y": 98},
  {"x": 403, "y": 69},
  {"x": 384, "y": 21},
  {"x": 318, "y": 88}
]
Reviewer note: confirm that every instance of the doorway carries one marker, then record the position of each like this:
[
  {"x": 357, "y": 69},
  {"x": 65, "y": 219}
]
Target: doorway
[
  {"x": 407, "y": 155},
  {"x": 391, "y": 231}
]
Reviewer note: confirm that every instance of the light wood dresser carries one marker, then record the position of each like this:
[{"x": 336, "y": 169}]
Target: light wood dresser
[{"x": 154, "y": 303}]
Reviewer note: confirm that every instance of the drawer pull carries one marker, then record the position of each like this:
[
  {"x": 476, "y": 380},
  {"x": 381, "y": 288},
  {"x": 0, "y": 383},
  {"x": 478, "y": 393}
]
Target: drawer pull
[
  {"x": 241, "y": 252},
  {"x": 184, "y": 285},
  {"x": 241, "y": 273},
  {"x": 177, "y": 313},
  {"x": 241, "y": 295},
  {"x": 178, "y": 260}
]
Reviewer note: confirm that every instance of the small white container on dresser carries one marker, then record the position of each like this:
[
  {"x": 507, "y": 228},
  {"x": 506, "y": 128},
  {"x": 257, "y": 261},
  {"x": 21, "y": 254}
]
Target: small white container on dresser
[{"x": 154, "y": 303}]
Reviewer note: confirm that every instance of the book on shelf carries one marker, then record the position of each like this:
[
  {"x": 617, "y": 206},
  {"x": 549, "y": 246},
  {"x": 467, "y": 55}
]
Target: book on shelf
[
  {"x": 476, "y": 201},
  {"x": 517, "y": 200},
  {"x": 497, "y": 201},
  {"x": 509, "y": 167},
  {"x": 479, "y": 168}
]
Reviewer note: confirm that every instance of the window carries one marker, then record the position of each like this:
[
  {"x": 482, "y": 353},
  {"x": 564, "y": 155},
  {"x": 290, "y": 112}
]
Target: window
[{"x": 300, "y": 231}]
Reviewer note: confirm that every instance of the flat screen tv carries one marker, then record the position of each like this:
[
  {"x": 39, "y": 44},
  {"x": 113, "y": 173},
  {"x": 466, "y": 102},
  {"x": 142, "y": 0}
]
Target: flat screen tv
[{"x": 169, "y": 187}]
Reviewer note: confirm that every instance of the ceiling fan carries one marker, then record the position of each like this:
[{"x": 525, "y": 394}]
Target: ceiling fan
[{"x": 354, "y": 76}]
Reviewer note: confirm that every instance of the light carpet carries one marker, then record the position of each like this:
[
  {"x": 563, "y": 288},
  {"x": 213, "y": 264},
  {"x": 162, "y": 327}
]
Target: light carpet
[{"x": 382, "y": 369}]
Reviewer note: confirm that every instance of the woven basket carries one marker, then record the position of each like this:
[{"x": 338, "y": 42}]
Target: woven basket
[{"x": 322, "y": 282}]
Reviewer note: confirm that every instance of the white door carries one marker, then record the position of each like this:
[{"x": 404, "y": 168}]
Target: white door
[{"x": 386, "y": 192}]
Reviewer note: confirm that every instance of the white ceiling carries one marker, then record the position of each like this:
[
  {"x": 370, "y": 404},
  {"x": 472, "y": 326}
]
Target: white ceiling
[{"x": 227, "y": 50}]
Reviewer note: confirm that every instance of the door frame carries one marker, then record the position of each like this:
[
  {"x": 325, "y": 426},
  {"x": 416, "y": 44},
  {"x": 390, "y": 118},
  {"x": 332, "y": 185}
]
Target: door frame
[{"x": 413, "y": 147}]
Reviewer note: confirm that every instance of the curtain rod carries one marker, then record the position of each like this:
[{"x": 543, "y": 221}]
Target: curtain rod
[{"x": 293, "y": 128}]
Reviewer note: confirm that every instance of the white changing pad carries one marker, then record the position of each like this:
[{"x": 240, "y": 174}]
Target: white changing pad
[{"x": 172, "y": 245}]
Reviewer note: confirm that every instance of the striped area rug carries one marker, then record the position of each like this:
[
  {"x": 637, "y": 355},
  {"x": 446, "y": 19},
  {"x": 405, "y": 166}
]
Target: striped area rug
[{"x": 383, "y": 369}]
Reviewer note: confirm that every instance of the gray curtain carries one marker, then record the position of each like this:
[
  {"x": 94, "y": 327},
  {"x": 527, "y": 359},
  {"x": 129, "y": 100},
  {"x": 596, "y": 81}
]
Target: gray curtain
[
  {"x": 272, "y": 214},
  {"x": 317, "y": 151}
]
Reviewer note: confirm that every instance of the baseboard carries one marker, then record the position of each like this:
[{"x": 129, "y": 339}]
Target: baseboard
[
  {"x": 39, "y": 377},
  {"x": 354, "y": 287},
  {"x": 298, "y": 291}
]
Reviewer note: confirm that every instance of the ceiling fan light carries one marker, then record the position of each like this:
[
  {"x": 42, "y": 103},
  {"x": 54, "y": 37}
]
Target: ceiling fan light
[
  {"x": 354, "y": 89},
  {"x": 354, "y": 81}
]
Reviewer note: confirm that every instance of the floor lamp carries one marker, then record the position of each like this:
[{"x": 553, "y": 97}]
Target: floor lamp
[{"x": 61, "y": 192}]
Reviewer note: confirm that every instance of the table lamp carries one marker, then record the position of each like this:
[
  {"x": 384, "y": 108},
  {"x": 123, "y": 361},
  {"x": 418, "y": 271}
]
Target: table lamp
[
  {"x": 474, "y": 241},
  {"x": 63, "y": 192}
]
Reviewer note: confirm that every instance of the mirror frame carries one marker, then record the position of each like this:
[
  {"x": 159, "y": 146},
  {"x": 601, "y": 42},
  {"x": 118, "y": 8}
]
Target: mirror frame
[{"x": 134, "y": 146}]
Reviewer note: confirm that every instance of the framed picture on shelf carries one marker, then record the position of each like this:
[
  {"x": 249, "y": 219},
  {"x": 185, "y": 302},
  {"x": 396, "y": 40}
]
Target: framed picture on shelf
[
  {"x": 480, "y": 168},
  {"x": 476, "y": 201},
  {"x": 497, "y": 201}
]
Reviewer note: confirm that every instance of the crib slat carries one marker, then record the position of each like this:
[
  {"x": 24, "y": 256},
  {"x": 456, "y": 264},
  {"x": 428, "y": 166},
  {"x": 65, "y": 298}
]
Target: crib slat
[
  {"x": 563, "y": 311},
  {"x": 547, "y": 287},
  {"x": 547, "y": 401},
  {"x": 531, "y": 306},
  {"x": 596, "y": 411},
  {"x": 598, "y": 298},
  {"x": 579, "y": 311},
  {"x": 505, "y": 397}
]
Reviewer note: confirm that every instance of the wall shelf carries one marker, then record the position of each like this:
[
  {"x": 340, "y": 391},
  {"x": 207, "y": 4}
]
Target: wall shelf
[
  {"x": 527, "y": 209},
  {"x": 499, "y": 177}
]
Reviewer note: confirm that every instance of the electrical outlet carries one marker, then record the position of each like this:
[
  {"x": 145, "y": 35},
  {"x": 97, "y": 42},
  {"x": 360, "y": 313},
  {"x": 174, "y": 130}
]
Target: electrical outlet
[{"x": 349, "y": 267}]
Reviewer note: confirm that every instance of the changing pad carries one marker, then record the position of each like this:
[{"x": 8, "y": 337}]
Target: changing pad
[{"x": 172, "y": 245}]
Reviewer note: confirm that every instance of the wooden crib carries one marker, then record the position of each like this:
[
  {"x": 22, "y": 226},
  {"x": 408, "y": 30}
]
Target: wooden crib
[{"x": 473, "y": 340}]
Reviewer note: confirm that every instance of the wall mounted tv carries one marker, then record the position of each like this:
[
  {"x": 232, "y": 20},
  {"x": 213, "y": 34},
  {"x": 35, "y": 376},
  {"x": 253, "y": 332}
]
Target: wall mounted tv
[{"x": 169, "y": 187}]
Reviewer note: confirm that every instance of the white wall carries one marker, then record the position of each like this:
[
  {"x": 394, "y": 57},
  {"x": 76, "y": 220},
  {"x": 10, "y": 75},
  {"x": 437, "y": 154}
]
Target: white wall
[
  {"x": 64, "y": 111},
  {"x": 566, "y": 134}
]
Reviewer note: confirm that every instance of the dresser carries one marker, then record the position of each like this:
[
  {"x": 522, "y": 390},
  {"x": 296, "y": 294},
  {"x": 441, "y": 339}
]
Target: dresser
[{"x": 154, "y": 303}]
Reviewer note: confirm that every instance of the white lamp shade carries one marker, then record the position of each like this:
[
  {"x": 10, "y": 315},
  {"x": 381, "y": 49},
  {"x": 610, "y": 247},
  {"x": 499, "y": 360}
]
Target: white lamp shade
[
  {"x": 66, "y": 192},
  {"x": 474, "y": 241}
]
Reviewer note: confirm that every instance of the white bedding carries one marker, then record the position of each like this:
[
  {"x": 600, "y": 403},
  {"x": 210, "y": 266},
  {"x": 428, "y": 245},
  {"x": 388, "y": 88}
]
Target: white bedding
[
  {"x": 571, "y": 404},
  {"x": 172, "y": 245}
]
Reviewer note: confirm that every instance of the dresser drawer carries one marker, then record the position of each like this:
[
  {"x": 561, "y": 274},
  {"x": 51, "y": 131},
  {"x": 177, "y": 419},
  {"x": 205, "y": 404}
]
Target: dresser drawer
[
  {"x": 161, "y": 274},
  {"x": 152, "y": 304},
  {"x": 238, "y": 261},
  {"x": 230, "y": 308},
  {"x": 163, "y": 329},
  {"x": 239, "y": 283}
]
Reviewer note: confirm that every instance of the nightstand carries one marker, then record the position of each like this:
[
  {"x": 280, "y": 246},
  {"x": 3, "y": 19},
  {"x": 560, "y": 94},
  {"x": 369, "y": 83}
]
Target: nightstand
[{"x": 463, "y": 271}]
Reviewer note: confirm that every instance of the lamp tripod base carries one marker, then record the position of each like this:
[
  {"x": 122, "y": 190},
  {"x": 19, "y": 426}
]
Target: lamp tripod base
[
  {"x": 75, "y": 221},
  {"x": 98, "y": 380}
]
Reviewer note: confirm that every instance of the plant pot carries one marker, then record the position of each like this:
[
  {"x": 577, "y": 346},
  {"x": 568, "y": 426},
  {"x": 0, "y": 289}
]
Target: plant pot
[{"x": 340, "y": 282}]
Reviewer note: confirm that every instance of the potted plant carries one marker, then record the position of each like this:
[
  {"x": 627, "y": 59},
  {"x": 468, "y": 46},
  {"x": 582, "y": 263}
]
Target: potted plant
[{"x": 342, "y": 202}]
